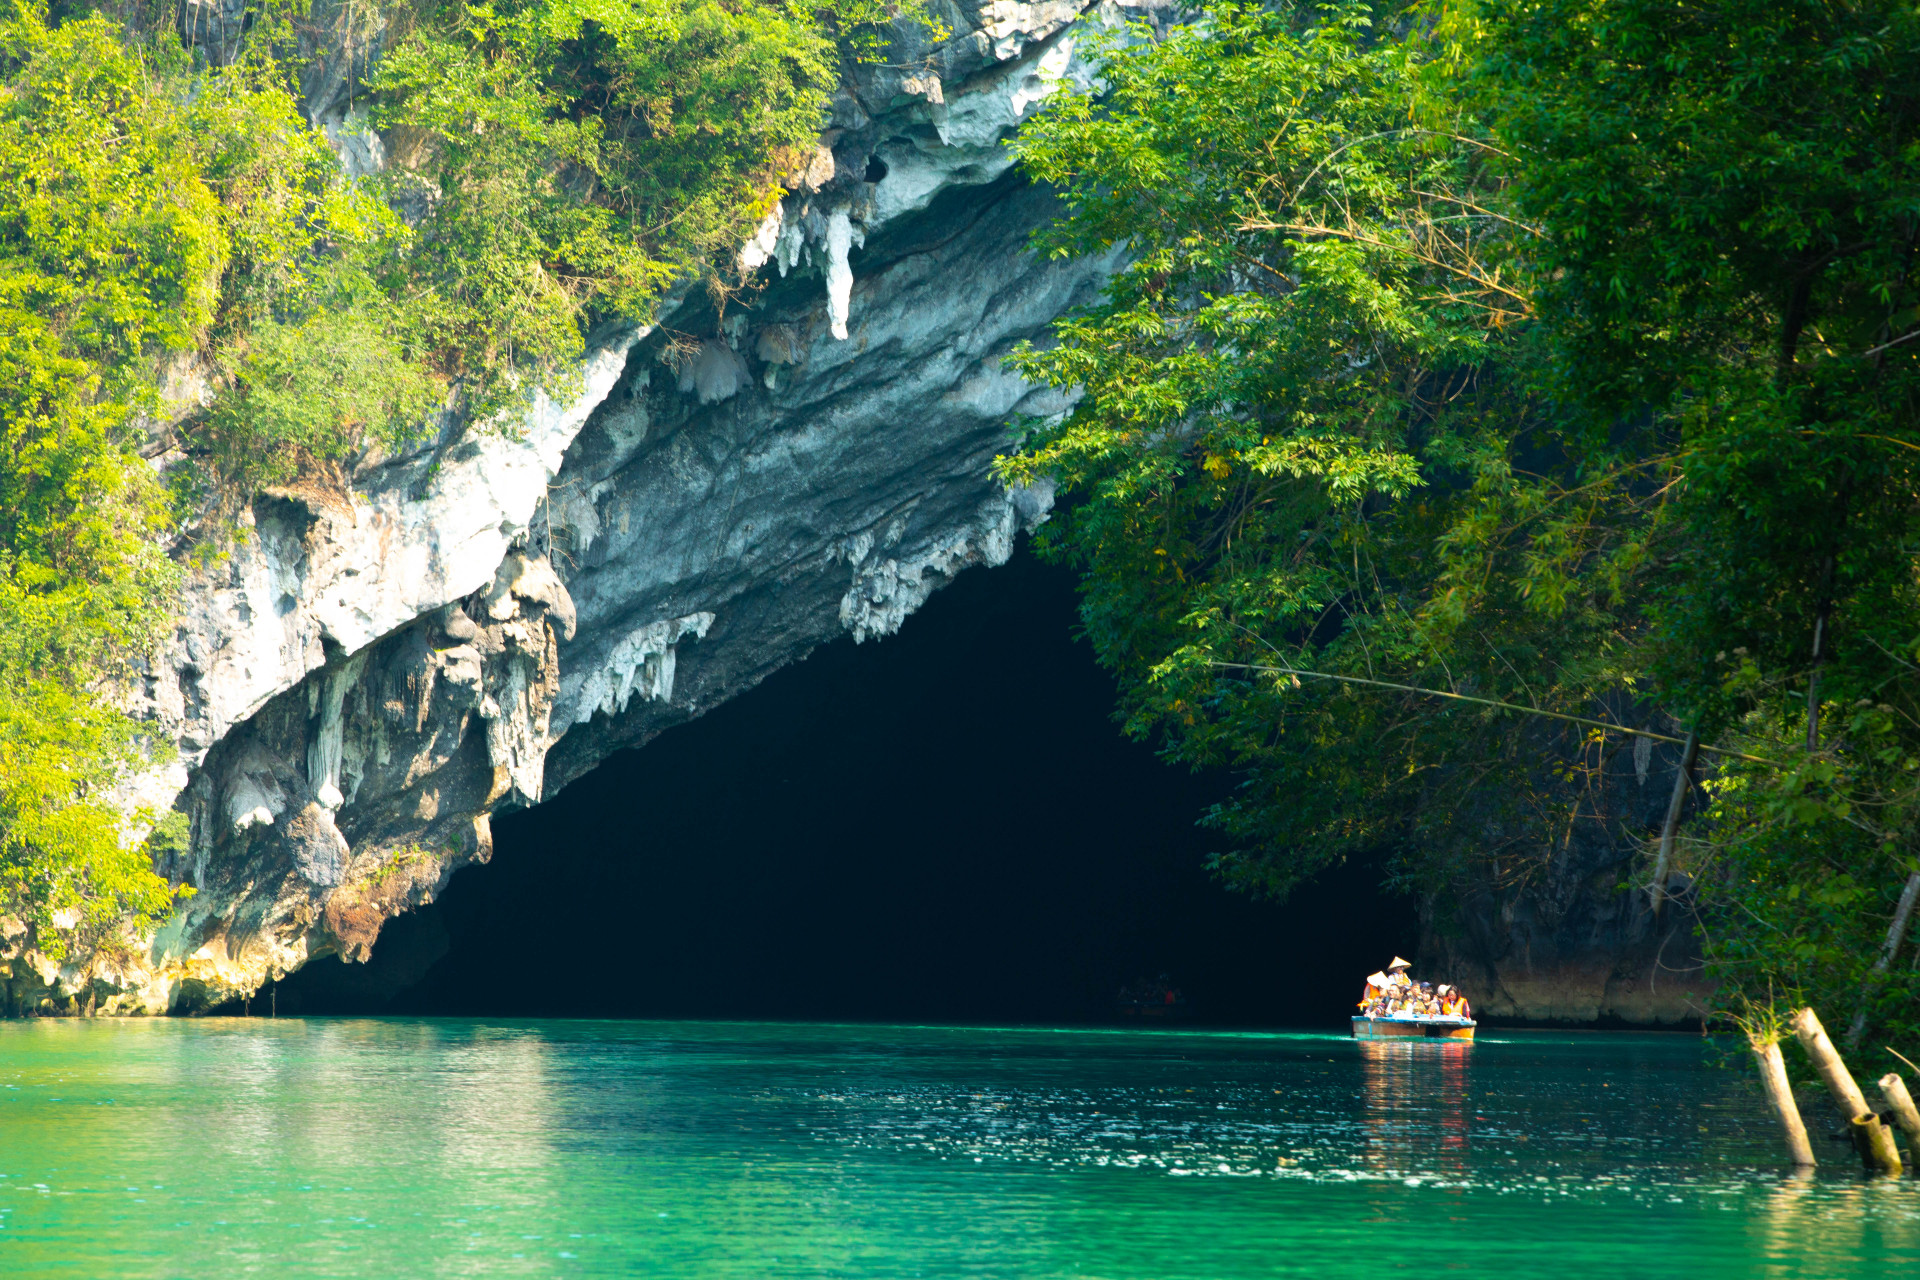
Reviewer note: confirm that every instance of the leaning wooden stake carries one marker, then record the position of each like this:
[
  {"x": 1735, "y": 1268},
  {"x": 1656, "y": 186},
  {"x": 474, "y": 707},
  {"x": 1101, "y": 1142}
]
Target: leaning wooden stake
[
  {"x": 1871, "y": 1138},
  {"x": 1905, "y": 1114},
  {"x": 1682, "y": 784},
  {"x": 1902, "y": 914},
  {"x": 1773, "y": 1076}
]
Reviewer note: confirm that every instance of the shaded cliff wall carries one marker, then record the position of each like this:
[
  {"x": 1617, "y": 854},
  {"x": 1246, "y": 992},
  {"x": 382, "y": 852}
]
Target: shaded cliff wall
[{"x": 1566, "y": 934}]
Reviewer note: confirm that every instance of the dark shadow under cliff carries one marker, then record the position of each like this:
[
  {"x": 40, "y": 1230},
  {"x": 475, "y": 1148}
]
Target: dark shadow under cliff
[{"x": 943, "y": 825}]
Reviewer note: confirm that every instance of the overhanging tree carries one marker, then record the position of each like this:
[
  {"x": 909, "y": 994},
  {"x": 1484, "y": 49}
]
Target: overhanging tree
[
  {"x": 1729, "y": 196},
  {"x": 1309, "y": 438}
]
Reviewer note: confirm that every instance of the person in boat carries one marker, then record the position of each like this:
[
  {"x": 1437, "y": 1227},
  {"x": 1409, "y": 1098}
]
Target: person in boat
[
  {"x": 1399, "y": 986},
  {"x": 1453, "y": 1004},
  {"x": 1387, "y": 991}
]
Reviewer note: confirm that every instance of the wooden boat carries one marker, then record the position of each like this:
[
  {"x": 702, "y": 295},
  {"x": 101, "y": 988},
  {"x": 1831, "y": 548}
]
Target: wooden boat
[{"x": 1431, "y": 1028}]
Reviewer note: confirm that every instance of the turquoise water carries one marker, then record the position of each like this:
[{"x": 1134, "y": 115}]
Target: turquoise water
[{"x": 409, "y": 1148}]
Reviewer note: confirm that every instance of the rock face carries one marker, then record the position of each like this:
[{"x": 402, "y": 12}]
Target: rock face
[
  {"x": 373, "y": 670},
  {"x": 1561, "y": 938}
]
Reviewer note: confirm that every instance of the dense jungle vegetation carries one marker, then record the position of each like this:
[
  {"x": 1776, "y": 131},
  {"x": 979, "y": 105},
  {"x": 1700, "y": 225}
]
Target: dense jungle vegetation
[
  {"x": 197, "y": 302},
  {"x": 1556, "y": 354}
]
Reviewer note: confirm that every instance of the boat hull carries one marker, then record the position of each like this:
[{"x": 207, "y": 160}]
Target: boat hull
[{"x": 1404, "y": 1028}]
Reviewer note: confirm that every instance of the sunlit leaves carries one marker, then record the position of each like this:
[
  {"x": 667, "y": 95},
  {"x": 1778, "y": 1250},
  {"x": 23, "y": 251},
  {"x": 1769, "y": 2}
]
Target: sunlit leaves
[
  {"x": 583, "y": 157},
  {"x": 113, "y": 248}
]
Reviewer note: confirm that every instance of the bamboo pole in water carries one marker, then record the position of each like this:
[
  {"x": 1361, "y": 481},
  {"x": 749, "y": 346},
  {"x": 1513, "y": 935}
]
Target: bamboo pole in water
[
  {"x": 1773, "y": 1077},
  {"x": 1900, "y": 1103},
  {"x": 1871, "y": 1138}
]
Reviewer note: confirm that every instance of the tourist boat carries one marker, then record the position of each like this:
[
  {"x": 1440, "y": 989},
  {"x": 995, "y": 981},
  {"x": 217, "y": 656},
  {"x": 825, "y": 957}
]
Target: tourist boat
[{"x": 1430, "y": 1027}]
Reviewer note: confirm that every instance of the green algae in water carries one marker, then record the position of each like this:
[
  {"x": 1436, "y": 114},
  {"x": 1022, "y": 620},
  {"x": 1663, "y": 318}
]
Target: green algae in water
[{"x": 452, "y": 1148}]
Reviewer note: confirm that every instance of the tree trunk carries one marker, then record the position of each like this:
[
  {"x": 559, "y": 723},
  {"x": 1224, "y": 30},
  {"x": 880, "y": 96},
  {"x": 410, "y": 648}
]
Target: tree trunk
[
  {"x": 1871, "y": 1138},
  {"x": 1902, "y": 915},
  {"x": 1905, "y": 1114},
  {"x": 1773, "y": 1077},
  {"x": 1813, "y": 685},
  {"x": 1821, "y": 613},
  {"x": 1682, "y": 783}
]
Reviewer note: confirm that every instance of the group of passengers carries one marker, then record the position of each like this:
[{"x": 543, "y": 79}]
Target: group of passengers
[{"x": 1395, "y": 995}]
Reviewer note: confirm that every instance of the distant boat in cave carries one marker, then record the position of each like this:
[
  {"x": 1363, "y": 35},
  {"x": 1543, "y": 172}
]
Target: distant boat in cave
[{"x": 1157, "y": 998}]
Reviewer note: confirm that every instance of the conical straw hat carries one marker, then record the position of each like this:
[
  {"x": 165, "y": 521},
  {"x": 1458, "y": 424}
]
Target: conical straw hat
[{"x": 1398, "y": 963}]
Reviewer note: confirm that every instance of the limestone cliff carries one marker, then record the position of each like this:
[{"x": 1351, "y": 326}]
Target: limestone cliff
[{"x": 375, "y": 669}]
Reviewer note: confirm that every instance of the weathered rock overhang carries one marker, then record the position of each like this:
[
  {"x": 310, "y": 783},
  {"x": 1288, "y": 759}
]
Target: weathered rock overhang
[{"x": 370, "y": 672}]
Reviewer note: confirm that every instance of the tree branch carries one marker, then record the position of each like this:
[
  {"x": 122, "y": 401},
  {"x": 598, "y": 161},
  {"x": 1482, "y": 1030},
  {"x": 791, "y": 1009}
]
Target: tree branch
[{"x": 1502, "y": 706}]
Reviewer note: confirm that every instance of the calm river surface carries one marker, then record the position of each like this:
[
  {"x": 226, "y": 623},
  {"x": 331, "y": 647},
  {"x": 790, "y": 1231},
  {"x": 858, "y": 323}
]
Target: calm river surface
[{"x": 405, "y": 1148}]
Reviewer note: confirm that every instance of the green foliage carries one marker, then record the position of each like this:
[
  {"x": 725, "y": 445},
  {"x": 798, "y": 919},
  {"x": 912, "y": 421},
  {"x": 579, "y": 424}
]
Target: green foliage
[
  {"x": 112, "y": 239},
  {"x": 1306, "y": 406},
  {"x": 109, "y": 249},
  {"x": 1803, "y": 897},
  {"x": 312, "y": 357},
  {"x": 1555, "y": 352},
  {"x": 314, "y": 390},
  {"x": 580, "y": 156},
  {"x": 1729, "y": 186},
  {"x": 149, "y": 213},
  {"x": 64, "y": 867},
  {"x": 1731, "y": 196}
]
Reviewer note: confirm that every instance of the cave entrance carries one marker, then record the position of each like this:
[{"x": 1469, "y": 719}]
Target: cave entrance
[{"x": 941, "y": 826}]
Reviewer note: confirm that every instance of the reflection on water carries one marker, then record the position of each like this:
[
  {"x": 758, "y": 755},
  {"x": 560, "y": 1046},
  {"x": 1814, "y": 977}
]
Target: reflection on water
[
  {"x": 1417, "y": 1095},
  {"x": 404, "y": 1148},
  {"x": 1808, "y": 1225}
]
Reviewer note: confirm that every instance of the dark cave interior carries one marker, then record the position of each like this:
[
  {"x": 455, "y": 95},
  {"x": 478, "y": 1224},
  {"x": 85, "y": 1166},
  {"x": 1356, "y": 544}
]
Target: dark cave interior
[{"x": 942, "y": 826}]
